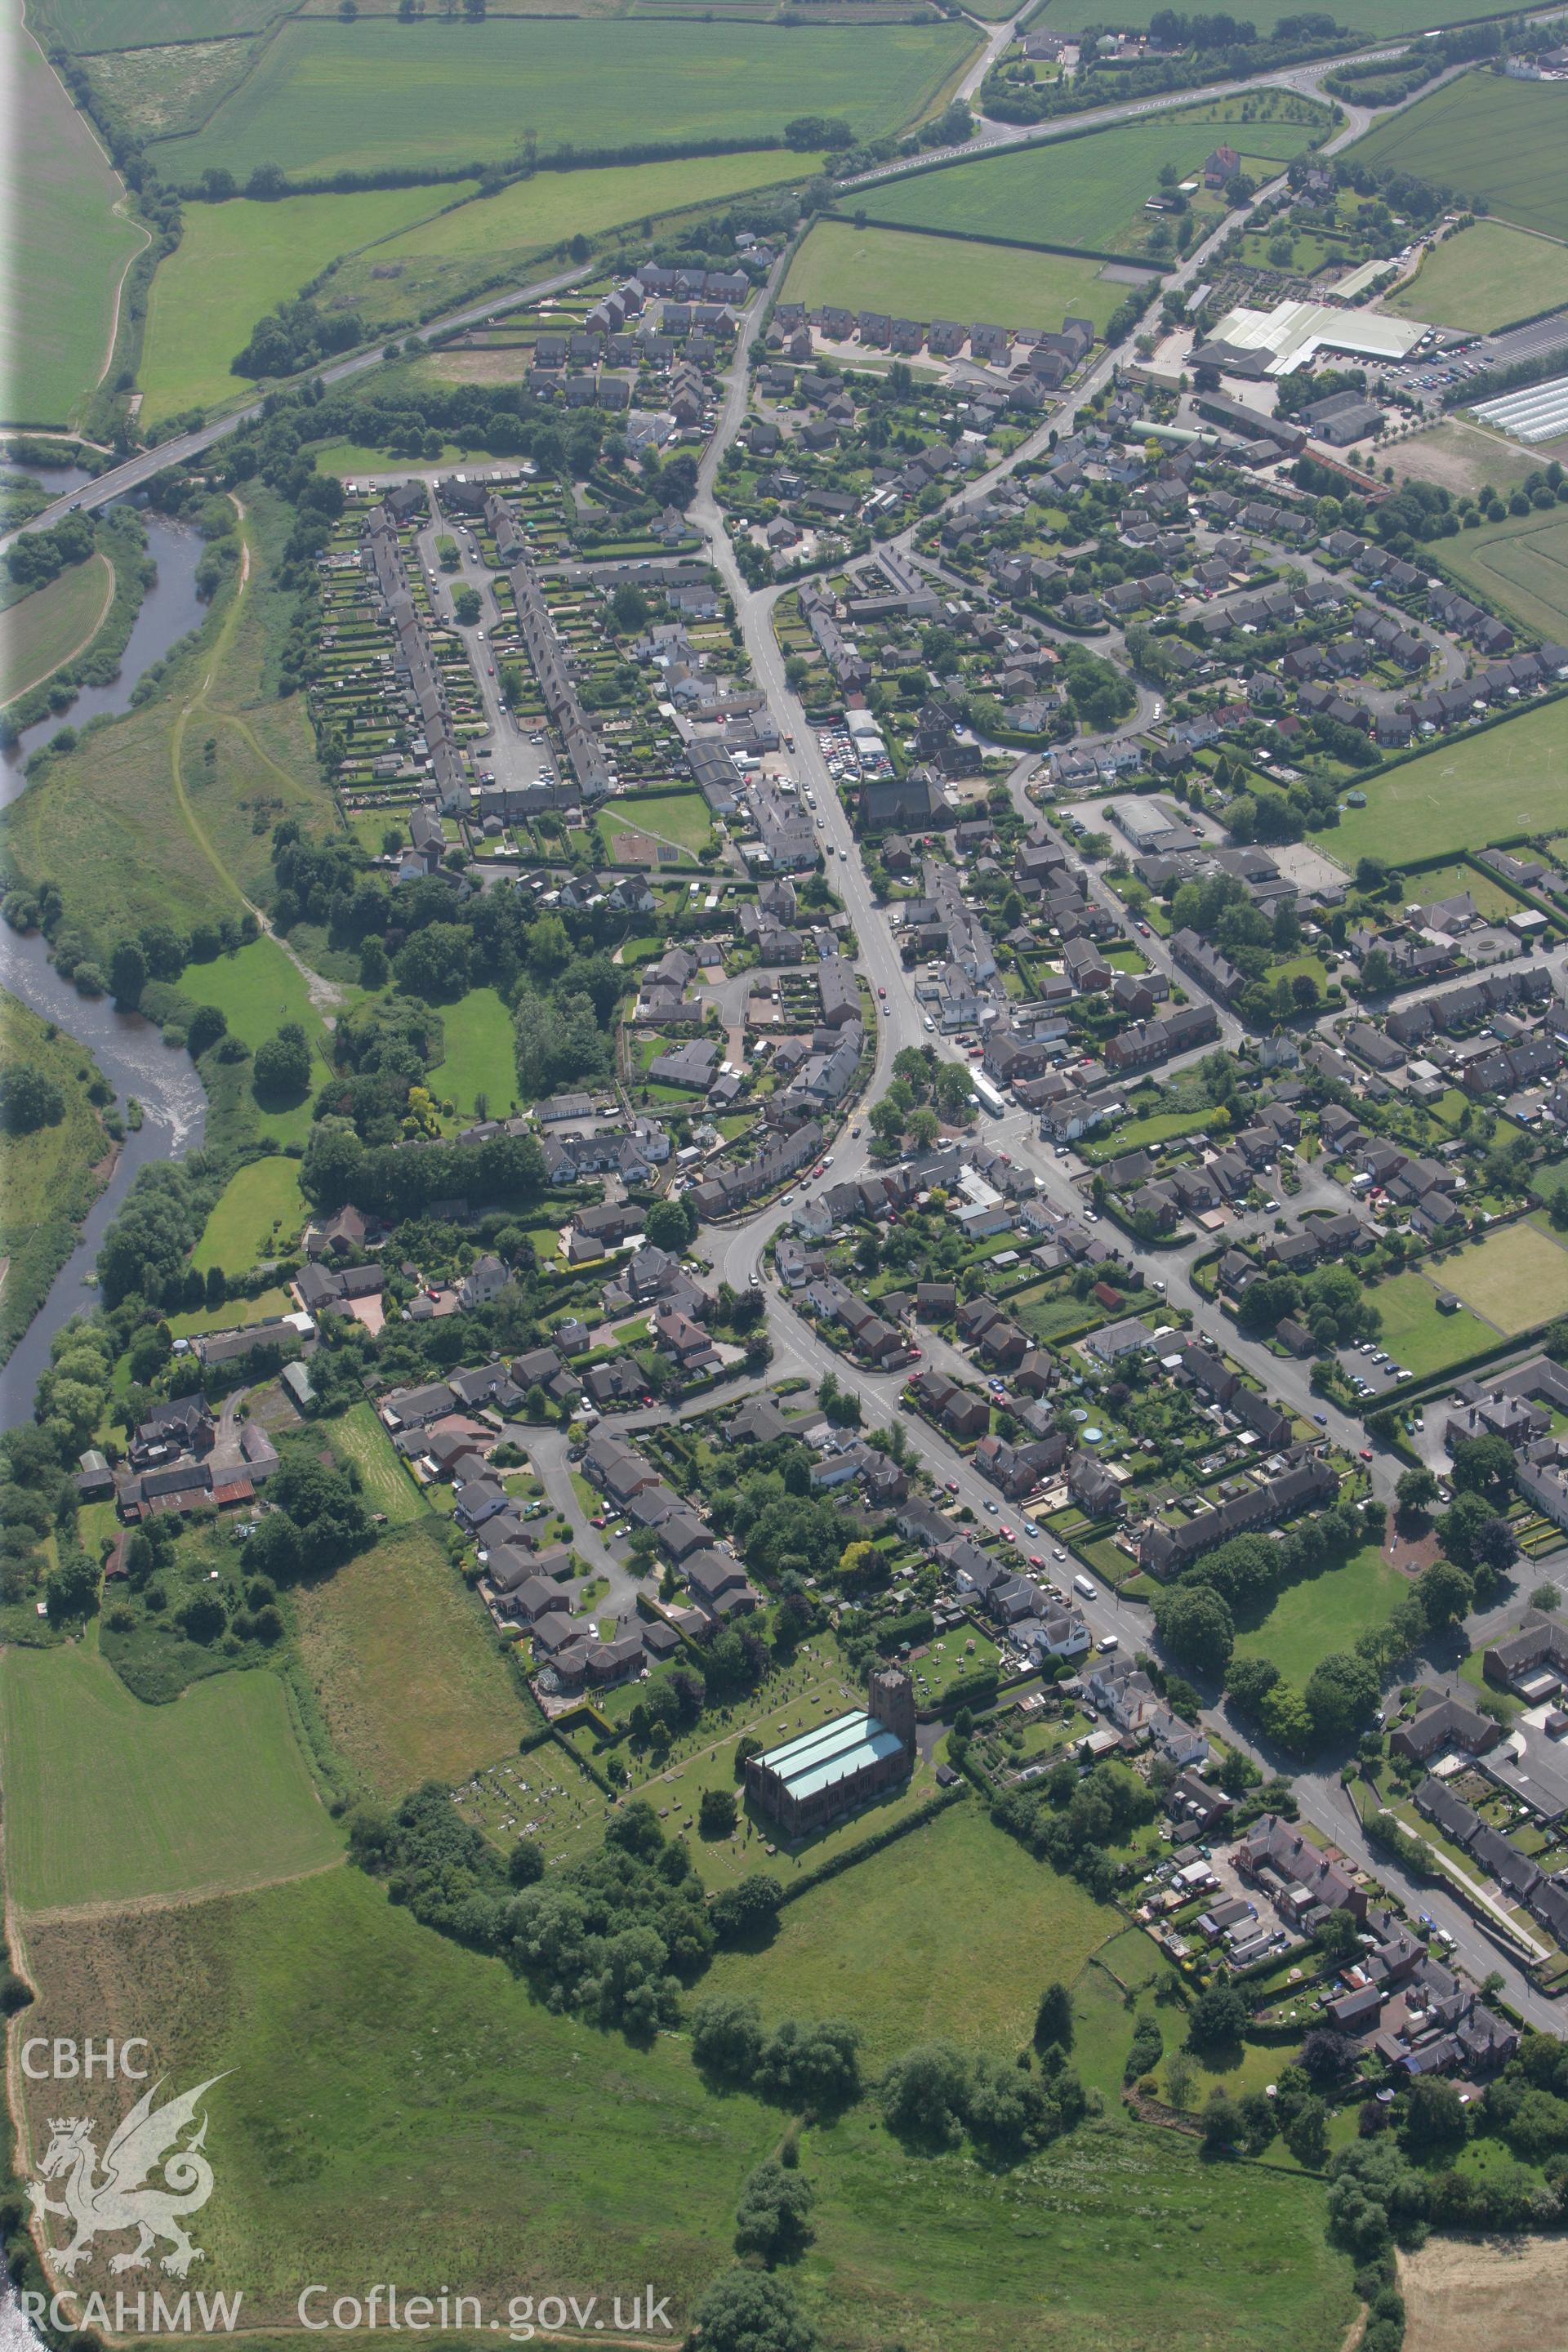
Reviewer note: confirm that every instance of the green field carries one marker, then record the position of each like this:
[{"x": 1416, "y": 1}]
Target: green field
[
  {"x": 109, "y": 1801},
  {"x": 47, "y": 1179},
  {"x": 1511, "y": 781},
  {"x": 1484, "y": 279},
  {"x": 193, "y": 1319},
  {"x": 945, "y": 278},
  {"x": 237, "y": 261},
  {"x": 480, "y": 1056},
  {"x": 1416, "y": 1335},
  {"x": 681, "y": 818},
  {"x": 1485, "y": 136},
  {"x": 1325, "y": 1613},
  {"x": 1086, "y": 191},
  {"x": 52, "y": 624},
  {"x": 257, "y": 988},
  {"x": 258, "y": 1216},
  {"x": 406, "y": 1664},
  {"x": 139, "y": 23},
  {"x": 1521, "y": 564},
  {"x": 978, "y": 1928},
  {"x": 359, "y": 1437},
  {"x": 330, "y": 98},
  {"x": 1515, "y": 1279},
  {"x": 65, "y": 248},
  {"x": 474, "y": 243},
  {"x": 1368, "y": 19}
]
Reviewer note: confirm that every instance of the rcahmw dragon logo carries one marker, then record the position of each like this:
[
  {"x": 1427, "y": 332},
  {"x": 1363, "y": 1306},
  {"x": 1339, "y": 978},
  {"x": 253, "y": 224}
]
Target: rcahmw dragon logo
[{"x": 122, "y": 2198}]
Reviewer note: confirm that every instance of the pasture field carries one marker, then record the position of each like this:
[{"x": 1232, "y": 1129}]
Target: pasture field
[
  {"x": 1485, "y": 136},
  {"x": 679, "y": 818},
  {"x": 259, "y": 1216},
  {"x": 110, "y": 1801},
  {"x": 1515, "y": 1279},
  {"x": 1416, "y": 1335},
  {"x": 358, "y": 1436},
  {"x": 474, "y": 243},
  {"x": 66, "y": 247},
  {"x": 942, "y": 277},
  {"x": 47, "y": 1179},
  {"x": 1522, "y": 562},
  {"x": 330, "y": 98},
  {"x": 1089, "y": 190},
  {"x": 136, "y": 24},
  {"x": 404, "y": 1660},
  {"x": 355, "y": 2037},
  {"x": 53, "y": 623},
  {"x": 1323, "y": 1613},
  {"x": 237, "y": 261},
  {"x": 979, "y": 1927},
  {"x": 480, "y": 1056},
  {"x": 1484, "y": 279},
  {"x": 1511, "y": 781}
]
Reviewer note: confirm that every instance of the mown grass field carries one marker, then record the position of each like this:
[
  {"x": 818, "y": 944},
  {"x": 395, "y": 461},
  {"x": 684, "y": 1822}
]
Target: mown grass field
[
  {"x": 237, "y": 261},
  {"x": 404, "y": 1660},
  {"x": 475, "y": 242},
  {"x": 359, "y": 1437},
  {"x": 954, "y": 1930},
  {"x": 259, "y": 1216},
  {"x": 1511, "y": 781},
  {"x": 679, "y": 818},
  {"x": 1515, "y": 1279},
  {"x": 1325, "y": 1613},
  {"x": 330, "y": 98},
  {"x": 1521, "y": 563},
  {"x": 109, "y": 1801},
  {"x": 480, "y": 1056},
  {"x": 258, "y": 988},
  {"x": 1414, "y": 1334},
  {"x": 944, "y": 277},
  {"x": 65, "y": 247},
  {"x": 46, "y": 1183},
  {"x": 1088, "y": 191},
  {"x": 1486, "y": 136},
  {"x": 1485, "y": 277},
  {"x": 53, "y": 623}
]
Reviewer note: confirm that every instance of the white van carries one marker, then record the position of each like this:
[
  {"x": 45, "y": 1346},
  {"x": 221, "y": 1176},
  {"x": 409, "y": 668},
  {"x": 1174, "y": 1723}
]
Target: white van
[{"x": 1083, "y": 1584}]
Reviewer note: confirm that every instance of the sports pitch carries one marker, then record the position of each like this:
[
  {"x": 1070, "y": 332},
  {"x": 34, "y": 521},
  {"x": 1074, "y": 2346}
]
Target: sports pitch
[{"x": 1505, "y": 784}]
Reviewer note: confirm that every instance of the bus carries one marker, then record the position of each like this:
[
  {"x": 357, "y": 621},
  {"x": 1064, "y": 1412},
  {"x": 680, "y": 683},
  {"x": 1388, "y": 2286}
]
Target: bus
[{"x": 988, "y": 1097}]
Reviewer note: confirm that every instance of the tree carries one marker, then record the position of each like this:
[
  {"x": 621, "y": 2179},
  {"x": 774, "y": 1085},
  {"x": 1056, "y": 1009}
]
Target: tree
[
  {"x": 280, "y": 1074},
  {"x": 1415, "y": 1490},
  {"x": 771, "y": 2217},
  {"x": 1218, "y": 2016},
  {"x": 630, "y": 607},
  {"x": 1483, "y": 1466},
  {"x": 1195, "y": 1621},
  {"x": 665, "y": 1226},
  {"x": 1053, "y": 2018},
  {"x": 925, "y": 2095},
  {"x": 525, "y": 1864},
  {"x": 128, "y": 974},
  {"x": 716, "y": 1812},
  {"x": 1221, "y": 2122},
  {"x": 1341, "y": 1692},
  {"x": 752, "y": 2311},
  {"x": 466, "y": 606},
  {"x": 1445, "y": 1593},
  {"x": 726, "y": 2037},
  {"x": 1306, "y": 2134},
  {"x": 1435, "y": 2115},
  {"x": 1474, "y": 1535},
  {"x": 28, "y": 1099},
  {"x": 1326, "y": 2056}
]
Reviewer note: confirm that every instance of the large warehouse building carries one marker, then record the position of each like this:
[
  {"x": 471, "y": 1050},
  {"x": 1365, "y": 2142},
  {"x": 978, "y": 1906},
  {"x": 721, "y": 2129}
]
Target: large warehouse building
[{"x": 841, "y": 1765}]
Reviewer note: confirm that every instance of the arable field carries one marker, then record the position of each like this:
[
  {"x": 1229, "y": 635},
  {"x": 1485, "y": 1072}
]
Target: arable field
[
  {"x": 1521, "y": 564},
  {"x": 1509, "y": 781},
  {"x": 1323, "y": 1613},
  {"x": 64, "y": 249},
  {"x": 110, "y": 1801},
  {"x": 1087, "y": 190},
  {"x": 235, "y": 262},
  {"x": 1464, "y": 2295},
  {"x": 474, "y": 243},
  {"x": 46, "y": 1178},
  {"x": 332, "y": 98},
  {"x": 979, "y": 1928},
  {"x": 52, "y": 624},
  {"x": 946, "y": 277},
  {"x": 257, "y": 1215},
  {"x": 1484, "y": 136},
  {"x": 404, "y": 1663},
  {"x": 1416, "y": 1335},
  {"x": 480, "y": 1056},
  {"x": 1485, "y": 277},
  {"x": 1515, "y": 1279}
]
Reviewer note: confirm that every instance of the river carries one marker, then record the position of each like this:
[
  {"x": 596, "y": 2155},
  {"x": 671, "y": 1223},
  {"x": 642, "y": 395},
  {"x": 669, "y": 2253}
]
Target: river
[{"x": 130, "y": 1051}]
